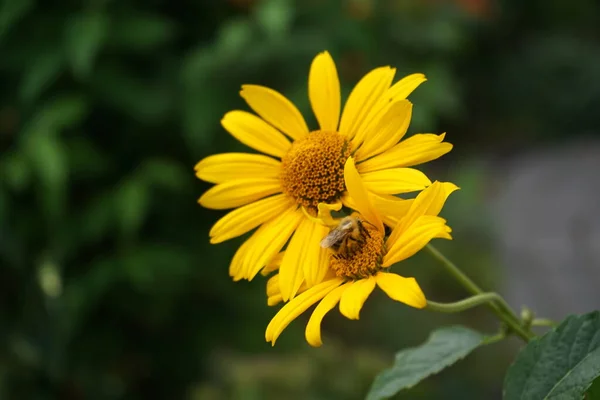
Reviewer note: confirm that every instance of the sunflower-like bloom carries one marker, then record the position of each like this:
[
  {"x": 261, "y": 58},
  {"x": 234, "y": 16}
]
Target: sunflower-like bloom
[
  {"x": 355, "y": 273},
  {"x": 279, "y": 191}
]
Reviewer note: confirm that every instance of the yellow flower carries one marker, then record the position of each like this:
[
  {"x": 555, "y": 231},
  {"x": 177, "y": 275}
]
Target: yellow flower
[
  {"x": 279, "y": 190},
  {"x": 355, "y": 273}
]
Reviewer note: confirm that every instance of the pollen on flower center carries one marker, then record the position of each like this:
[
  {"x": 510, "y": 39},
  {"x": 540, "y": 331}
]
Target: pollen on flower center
[
  {"x": 365, "y": 258},
  {"x": 313, "y": 169}
]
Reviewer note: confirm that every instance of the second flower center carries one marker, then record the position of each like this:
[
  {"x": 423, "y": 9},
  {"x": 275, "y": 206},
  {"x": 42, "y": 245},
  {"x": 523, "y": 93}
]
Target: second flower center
[{"x": 364, "y": 259}]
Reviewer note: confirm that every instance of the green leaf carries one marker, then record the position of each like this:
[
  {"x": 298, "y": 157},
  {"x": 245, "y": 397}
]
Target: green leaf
[
  {"x": 87, "y": 161},
  {"x": 156, "y": 265},
  {"x": 164, "y": 173},
  {"x": 233, "y": 38},
  {"x": 95, "y": 221},
  {"x": 45, "y": 154},
  {"x": 15, "y": 171},
  {"x": 63, "y": 111},
  {"x": 141, "y": 32},
  {"x": 198, "y": 113},
  {"x": 197, "y": 66},
  {"x": 84, "y": 37},
  {"x": 275, "y": 17},
  {"x": 444, "y": 347},
  {"x": 144, "y": 100},
  {"x": 47, "y": 157},
  {"x": 560, "y": 365},
  {"x": 40, "y": 74},
  {"x": 132, "y": 202},
  {"x": 11, "y": 12},
  {"x": 593, "y": 392}
]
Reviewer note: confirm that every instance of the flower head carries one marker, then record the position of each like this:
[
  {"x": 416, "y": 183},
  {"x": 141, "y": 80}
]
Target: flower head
[
  {"x": 354, "y": 271},
  {"x": 278, "y": 192}
]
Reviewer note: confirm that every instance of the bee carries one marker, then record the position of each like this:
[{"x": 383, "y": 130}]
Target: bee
[{"x": 346, "y": 237}]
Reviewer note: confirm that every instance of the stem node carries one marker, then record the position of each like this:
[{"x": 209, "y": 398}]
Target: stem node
[{"x": 498, "y": 305}]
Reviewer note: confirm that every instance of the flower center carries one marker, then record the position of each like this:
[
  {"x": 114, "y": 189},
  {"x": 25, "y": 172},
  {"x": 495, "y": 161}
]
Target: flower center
[
  {"x": 313, "y": 169},
  {"x": 363, "y": 259}
]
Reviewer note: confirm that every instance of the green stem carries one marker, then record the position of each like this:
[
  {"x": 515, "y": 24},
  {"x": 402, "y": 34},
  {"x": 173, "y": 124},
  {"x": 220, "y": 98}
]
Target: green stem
[
  {"x": 473, "y": 301},
  {"x": 463, "y": 305},
  {"x": 495, "y": 338},
  {"x": 454, "y": 271},
  {"x": 544, "y": 322},
  {"x": 498, "y": 306}
]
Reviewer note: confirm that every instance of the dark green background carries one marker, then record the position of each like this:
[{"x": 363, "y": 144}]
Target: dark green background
[{"x": 109, "y": 288}]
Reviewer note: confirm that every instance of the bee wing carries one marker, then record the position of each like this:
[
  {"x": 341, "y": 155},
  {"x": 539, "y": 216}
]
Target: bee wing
[{"x": 333, "y": 237}]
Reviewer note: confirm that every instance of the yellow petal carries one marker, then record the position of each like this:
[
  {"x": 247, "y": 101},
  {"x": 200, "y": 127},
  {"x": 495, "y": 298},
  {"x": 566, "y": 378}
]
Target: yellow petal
[
  {"x": 248, "y": 217},
  {"x": 365, "y": 95},
  {"x": 291, "y": 270},
  {"x": 359, "y": 194},
  {"x": 255, "y": 133},
  {"x": 429, "y": 202},
  {"x": 395, "y": 180},
  {"x": 414, "y": 238},
  {"x": 437, "y": 203},
  {"x": 274, "y": 300},
  {"x": 404, "y": 290},
  {"x": 405, "y": 86},
  {"x": 313, "y": 328},
  {"x": 445, "y": 233},
  {"x": 323, "y": 271},
  {"x": 324, "y": 214},
  {"x": 273, "y": 285},
  {"x": 324, "y": 92},
  {"x": 274, "y": 108},
  {"x": 268, "y": 240},
  {"x": 424, "y": 201},
  {"x": 415, "y": 150},
  {"x": 304, "y": 259},
  {"x": 274, "y": 290},
  {"x": 273, "y": 264},
  {"x": 388, "y": 131},
  {"x": 349, "y": 202},
  {"x": 231, "y": 166},
  {"x": 391, "y": 208},
  {"x": 236, "y": 267},
  {"x": 355, "y": 296},
  {"x": 237, "y": 193},
  {"x": 297, "y": 306},
  {"x": 317, "y": 258},
  {"x": 397, "y": 92}
]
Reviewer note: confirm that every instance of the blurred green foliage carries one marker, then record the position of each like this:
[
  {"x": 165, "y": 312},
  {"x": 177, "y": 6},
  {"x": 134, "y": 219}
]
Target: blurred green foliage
[{"x": 109, "y": 288}]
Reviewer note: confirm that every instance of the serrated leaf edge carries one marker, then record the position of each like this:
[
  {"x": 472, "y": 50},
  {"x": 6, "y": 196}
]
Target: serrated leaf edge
[{"x": 434, "y": 370}]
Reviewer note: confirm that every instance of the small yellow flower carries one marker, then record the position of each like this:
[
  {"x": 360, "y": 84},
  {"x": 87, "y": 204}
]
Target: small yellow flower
[
  {"x": 278, "y": 191},
  {"x": 354, "y": 275}
]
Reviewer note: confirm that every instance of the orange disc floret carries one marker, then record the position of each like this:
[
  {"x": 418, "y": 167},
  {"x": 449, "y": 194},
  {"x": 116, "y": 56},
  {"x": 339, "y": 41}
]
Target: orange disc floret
[
  {"x": 313, "y": 169},
  {"x": 364, "y": 260}
]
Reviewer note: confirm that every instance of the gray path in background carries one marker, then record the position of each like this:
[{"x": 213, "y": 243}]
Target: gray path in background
[{"x": 547, "y": 221}]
